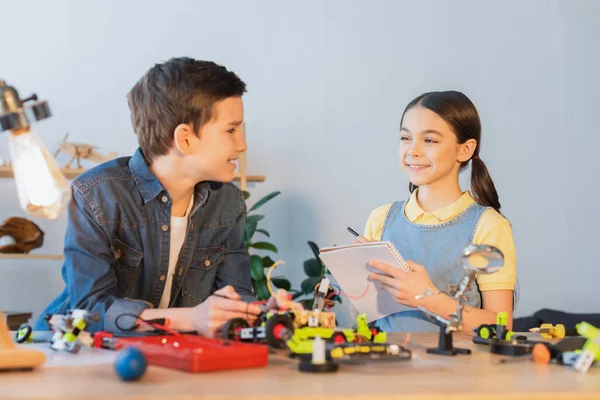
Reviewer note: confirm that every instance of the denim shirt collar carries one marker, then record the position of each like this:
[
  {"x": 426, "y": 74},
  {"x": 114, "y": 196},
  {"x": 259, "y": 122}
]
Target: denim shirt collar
[{"x": 149, "y": 185}]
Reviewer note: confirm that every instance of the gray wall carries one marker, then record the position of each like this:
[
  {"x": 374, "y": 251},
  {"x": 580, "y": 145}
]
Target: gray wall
[{"x": 327, "y": 84}]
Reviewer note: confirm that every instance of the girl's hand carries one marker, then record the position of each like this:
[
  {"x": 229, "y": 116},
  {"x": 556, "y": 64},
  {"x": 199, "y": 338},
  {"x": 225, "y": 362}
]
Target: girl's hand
[
  {"x": 361, "y": 239},
  {"x": 404, "y": 286}
]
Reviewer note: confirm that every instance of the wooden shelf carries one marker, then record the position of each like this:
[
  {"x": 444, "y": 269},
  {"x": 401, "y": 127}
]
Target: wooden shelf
[
  {"x": 250, "y": 178},
  {"x": 31, "y": 256},
  {"x": 71, "y": 173}
]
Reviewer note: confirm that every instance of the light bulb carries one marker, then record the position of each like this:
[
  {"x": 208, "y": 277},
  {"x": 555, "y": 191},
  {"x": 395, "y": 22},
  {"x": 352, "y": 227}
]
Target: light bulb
[{"x": 42, "y": 188}]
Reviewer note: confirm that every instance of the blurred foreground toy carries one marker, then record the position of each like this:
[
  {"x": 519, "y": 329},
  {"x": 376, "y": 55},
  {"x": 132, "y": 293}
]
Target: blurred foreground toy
[
  {"x": 591, "y": 349},
  {"x": 130, "y": 364},
  {"x": 16, "y": 357},
  {"x": 69, "y": 331},
  {"x": 186, "y": 352},
  {"x": 25, "y": 334}
]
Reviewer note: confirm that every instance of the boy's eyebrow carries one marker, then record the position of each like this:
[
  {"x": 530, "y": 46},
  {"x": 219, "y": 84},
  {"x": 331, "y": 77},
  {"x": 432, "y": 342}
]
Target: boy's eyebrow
[
  {"x": 235, "y": 123},
  {"x": 423, "y": 132}
]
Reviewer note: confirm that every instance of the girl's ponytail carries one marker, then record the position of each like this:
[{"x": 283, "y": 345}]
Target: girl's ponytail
[{"x": 482, "y": 185}]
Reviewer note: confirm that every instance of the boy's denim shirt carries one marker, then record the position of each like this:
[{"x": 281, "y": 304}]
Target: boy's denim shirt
[{"x": 117, "y": 244}]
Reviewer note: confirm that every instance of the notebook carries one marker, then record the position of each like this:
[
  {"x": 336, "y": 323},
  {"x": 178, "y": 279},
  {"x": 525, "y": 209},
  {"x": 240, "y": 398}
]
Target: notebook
[{"x": 349, "y": 266}]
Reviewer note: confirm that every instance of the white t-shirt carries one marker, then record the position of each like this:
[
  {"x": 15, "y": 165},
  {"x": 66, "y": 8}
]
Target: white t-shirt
[{"x": 178, "y": 232}]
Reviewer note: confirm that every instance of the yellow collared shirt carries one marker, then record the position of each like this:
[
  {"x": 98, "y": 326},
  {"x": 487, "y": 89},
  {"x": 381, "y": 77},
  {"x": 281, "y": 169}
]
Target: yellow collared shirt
[{"x": 493, "y": 229}]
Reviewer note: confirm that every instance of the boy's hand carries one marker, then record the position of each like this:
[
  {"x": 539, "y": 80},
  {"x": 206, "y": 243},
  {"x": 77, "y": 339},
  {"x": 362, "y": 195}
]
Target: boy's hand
[
  {"x": 280, "y": 300},
  {"x": 361, "y": 239},
  {"x": 209, "y": 317}
]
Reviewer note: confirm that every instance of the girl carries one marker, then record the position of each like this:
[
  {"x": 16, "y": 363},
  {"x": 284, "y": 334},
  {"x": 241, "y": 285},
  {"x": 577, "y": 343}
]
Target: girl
[{"x": 440, "y": 134}]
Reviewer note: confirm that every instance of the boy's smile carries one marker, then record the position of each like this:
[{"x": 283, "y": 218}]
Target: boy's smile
[{"x": 216, "y": 149}]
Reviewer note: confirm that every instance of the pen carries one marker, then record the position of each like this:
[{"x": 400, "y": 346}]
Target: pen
[{"x": 352, "y": 231}]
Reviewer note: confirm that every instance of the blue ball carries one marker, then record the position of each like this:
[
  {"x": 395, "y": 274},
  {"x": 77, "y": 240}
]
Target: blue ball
[{"x": 130, "y": 364}]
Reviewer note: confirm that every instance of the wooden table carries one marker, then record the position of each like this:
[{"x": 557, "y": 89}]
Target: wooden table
[{"x": 89, "y": 374}]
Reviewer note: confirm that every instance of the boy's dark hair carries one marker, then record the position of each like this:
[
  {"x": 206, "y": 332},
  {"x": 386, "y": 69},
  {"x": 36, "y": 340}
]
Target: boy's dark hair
[
  {"x": 179, "y": 91},
  {"x": 460, "y": 113}
]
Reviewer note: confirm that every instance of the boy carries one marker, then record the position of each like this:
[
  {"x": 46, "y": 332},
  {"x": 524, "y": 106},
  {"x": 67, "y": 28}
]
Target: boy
[{"x": 156, "y": 234}]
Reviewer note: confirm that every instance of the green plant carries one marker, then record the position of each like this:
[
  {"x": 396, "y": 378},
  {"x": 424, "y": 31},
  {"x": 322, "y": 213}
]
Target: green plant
[{"x": 260, "y": 263}]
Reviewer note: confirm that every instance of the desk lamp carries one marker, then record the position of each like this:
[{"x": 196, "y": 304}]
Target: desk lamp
[{"x": 42, "y": 188}]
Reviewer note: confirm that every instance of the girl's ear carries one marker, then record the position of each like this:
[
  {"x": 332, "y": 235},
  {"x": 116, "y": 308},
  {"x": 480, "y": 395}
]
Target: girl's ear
[
  {"x": 181, "y": 138},
  {"x": 466, "y": 151}
]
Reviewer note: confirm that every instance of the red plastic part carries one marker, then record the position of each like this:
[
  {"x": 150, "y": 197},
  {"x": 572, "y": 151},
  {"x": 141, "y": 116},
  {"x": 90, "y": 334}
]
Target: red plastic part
[
  {"x": 98, "y": 336},
  {"x": 277, "y": 329},
  {"x": 339, "y": 339},
  {"x": 196, "y": 353}
]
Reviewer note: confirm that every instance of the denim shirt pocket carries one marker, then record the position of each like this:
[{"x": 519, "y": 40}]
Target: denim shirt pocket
[
  {"x": 127, "y": 266},
  {"x": 200, "y": 276}
]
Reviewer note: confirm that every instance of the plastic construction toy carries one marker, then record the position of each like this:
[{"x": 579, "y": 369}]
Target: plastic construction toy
[
  {"x": 69, "y": 331},
  {"x": 477, "y": 259},
  {"x": 500, "y": 339},
  {"x": 326, "y": 357},
  {"x": 558, "y": 331},
  {"x": 305, "y": 324},
  {"x": 190, "y": 353},
  {"x": 564, "y": 352},
  {"x": 25, "y": 334},
  {"x": 498, "y": 331},
  {"x": 591, "y": 349}
]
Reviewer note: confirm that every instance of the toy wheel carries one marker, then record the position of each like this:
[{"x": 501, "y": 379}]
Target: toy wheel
[
  {"x": 338, "y": 338},
  {"x": 232, "y": 327},
  {"x": 274, "y": 329},
  {"x": 375, "y": 330},
  {"x": 23, "y": 333},
  {"x": 485, "y": 331}
]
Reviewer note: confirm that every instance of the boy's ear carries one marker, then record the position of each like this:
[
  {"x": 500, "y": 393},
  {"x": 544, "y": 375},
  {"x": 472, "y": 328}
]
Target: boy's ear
[
  {"x": 182, "y": 138},
  {"x": 466, "y": 150}
]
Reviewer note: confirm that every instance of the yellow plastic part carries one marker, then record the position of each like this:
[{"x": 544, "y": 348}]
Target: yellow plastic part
[
  {"x": 502, "y": 318},
  {"x": 69, "y": 337}
]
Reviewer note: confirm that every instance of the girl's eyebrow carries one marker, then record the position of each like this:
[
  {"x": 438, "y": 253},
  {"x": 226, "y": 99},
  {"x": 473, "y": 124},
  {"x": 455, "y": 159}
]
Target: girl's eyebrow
[{"x": 422, "y": 132}]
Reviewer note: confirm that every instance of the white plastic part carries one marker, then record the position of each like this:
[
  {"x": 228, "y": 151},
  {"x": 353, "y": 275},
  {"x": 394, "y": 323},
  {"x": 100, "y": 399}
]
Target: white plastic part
[{"x": 318, "y": 354}]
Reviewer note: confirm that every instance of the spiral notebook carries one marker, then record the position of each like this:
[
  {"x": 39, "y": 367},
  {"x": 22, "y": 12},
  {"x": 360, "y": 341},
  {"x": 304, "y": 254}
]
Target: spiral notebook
[{"x": 349, "y": 266}]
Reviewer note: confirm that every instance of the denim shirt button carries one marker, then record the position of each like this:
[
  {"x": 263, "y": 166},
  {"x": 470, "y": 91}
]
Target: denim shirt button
[
  {"x": 165, "y": 228},
  {"x": 162, "y": 277},
  {"x": 164, "y": 199}
]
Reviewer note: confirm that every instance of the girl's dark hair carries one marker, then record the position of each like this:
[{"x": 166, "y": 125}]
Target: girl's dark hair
[{"x": 460, "y": 113}]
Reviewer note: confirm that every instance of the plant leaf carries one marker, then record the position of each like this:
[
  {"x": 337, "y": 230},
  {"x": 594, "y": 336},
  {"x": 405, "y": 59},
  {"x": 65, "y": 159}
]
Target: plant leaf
[
  {"x": 308, "y": 285},
  {"x": 254, "y": 218},
  {"x": 261, "y": 290},
  {"x": 265, "y": 199},
  {"x": 250, "y": 227},
  {"x": 296, "y": 295},
  {"x": 263, "y": 232},
  {"x": 315, "y": 249},
  {"x": 264, "y": 246},
  {"x": 312, "y": 267},
  {"x": 307, "y": 304},
  {"x": 281, "y": 283},
  {"x": 256, "y": 268},
  {"x": 267, "y": 262}
]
